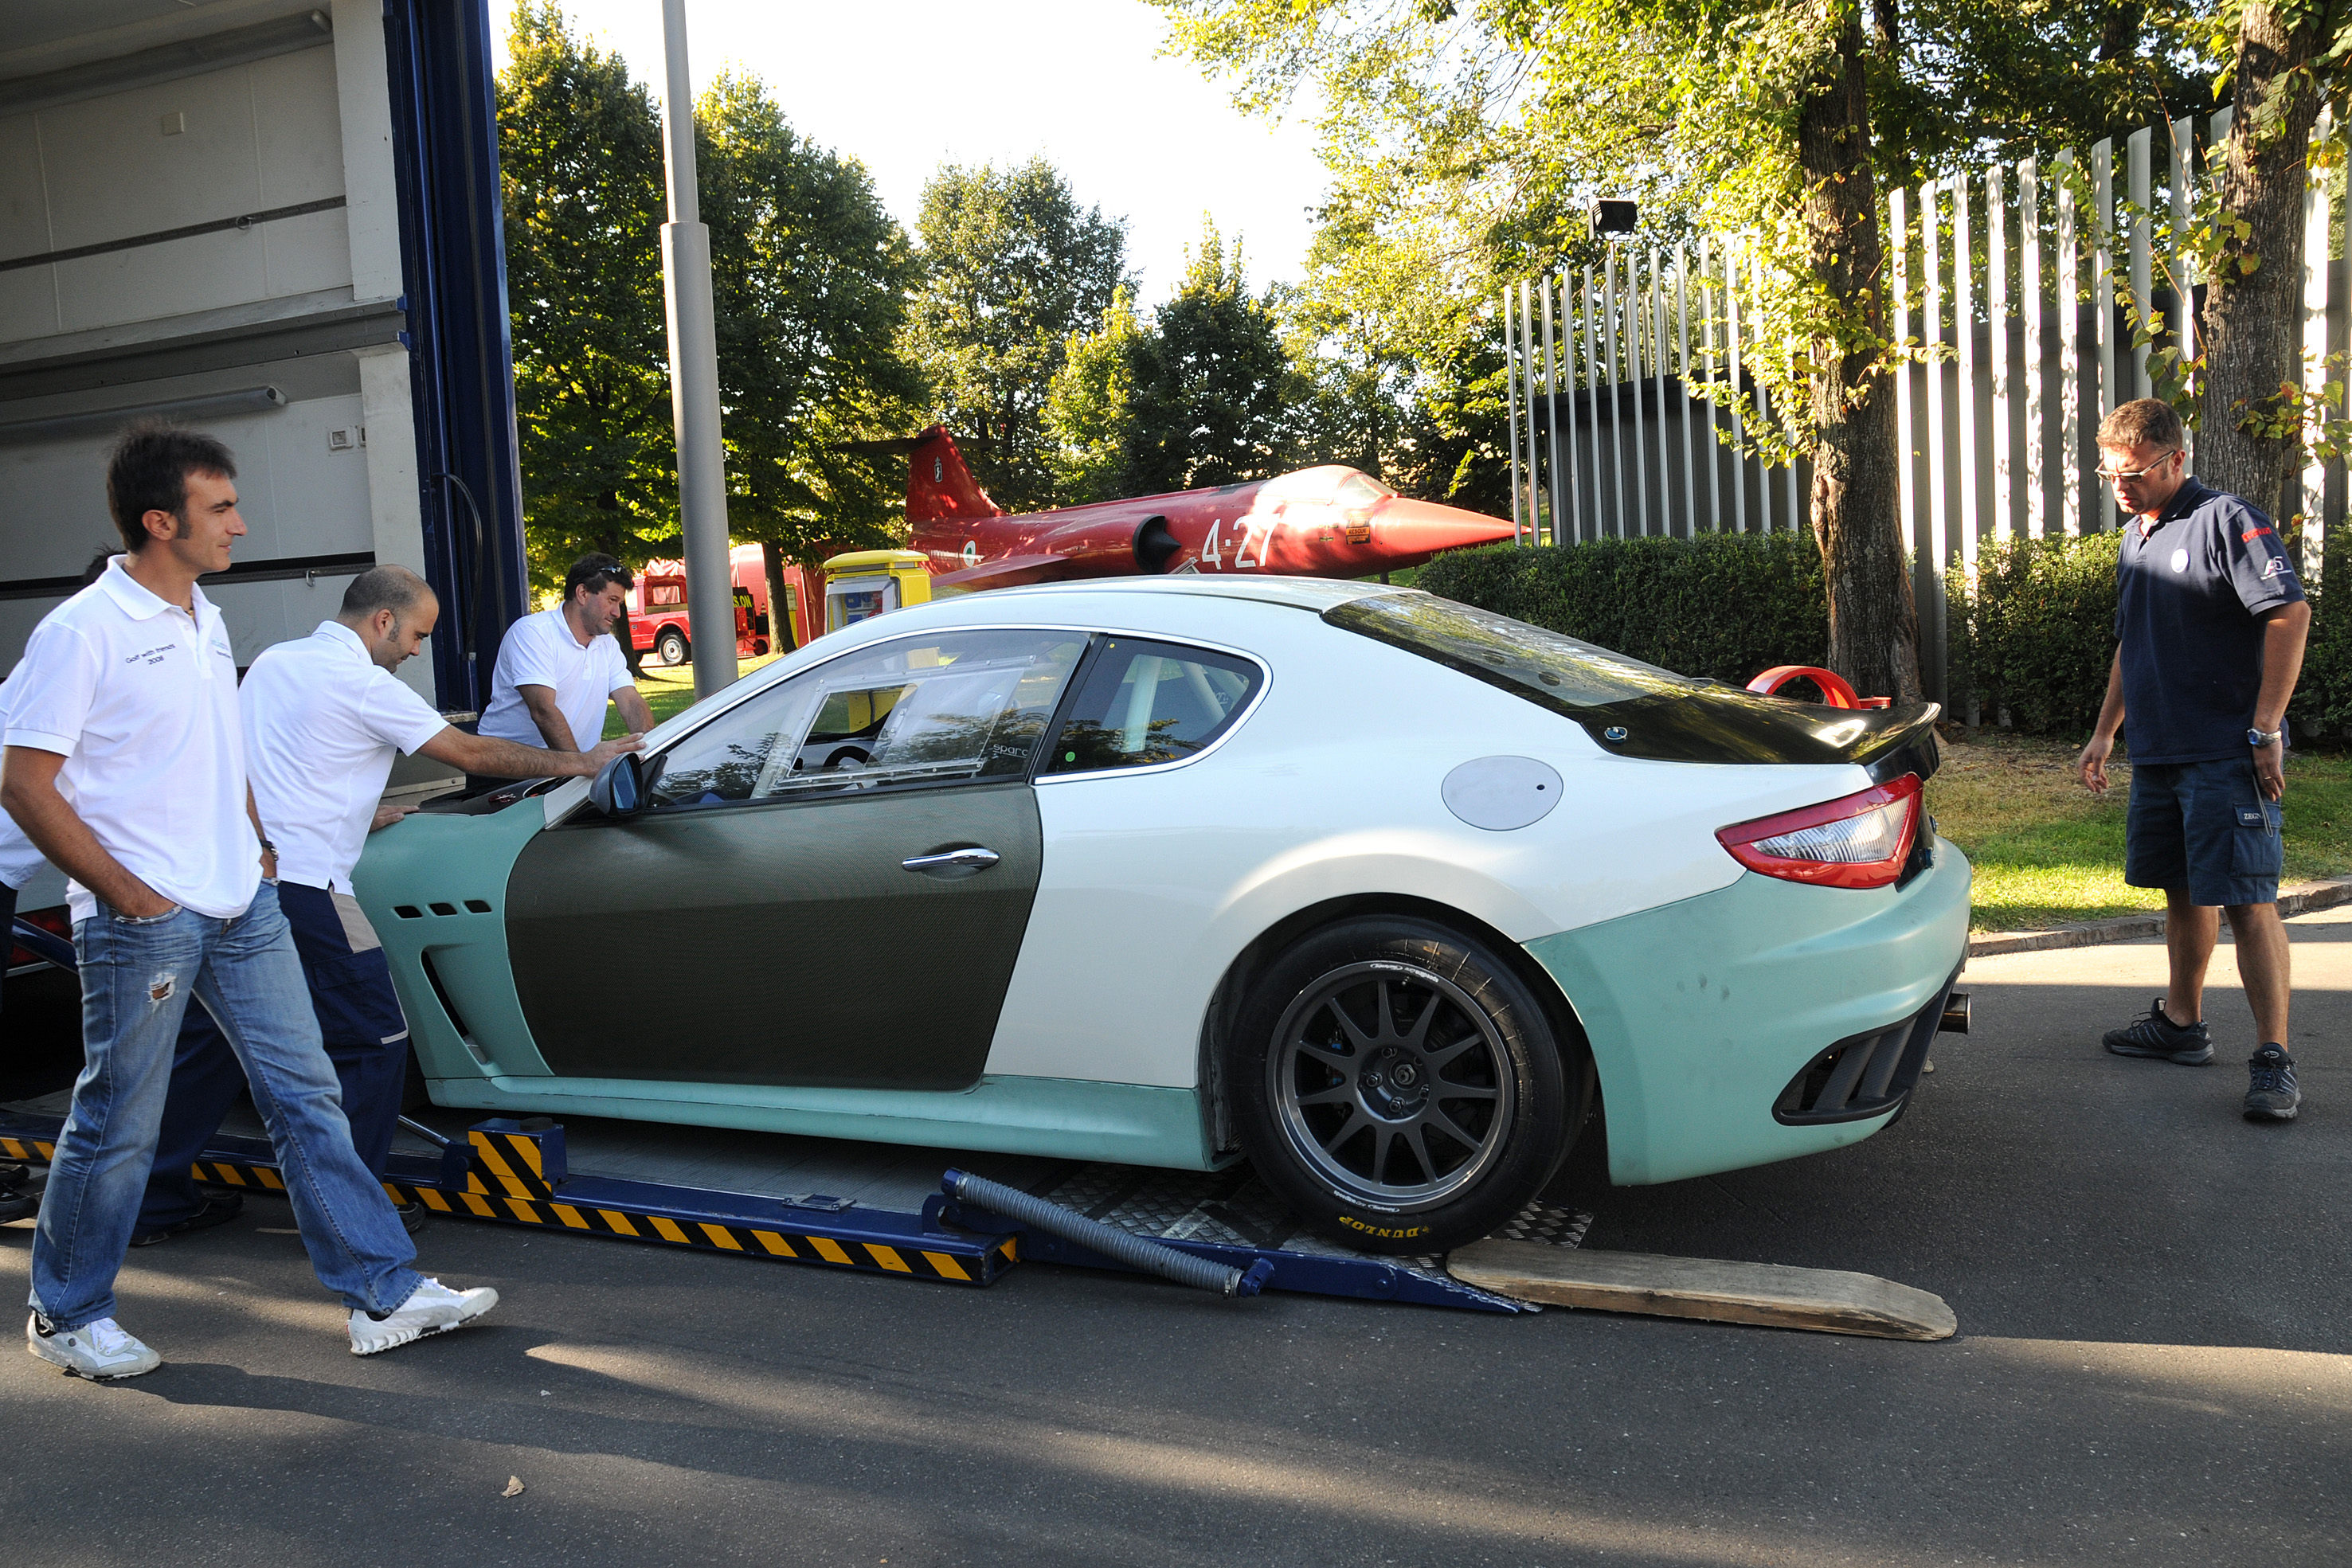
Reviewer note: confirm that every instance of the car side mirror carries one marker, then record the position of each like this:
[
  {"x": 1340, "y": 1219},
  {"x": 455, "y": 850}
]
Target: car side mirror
[{"x": 620, "y": 789}]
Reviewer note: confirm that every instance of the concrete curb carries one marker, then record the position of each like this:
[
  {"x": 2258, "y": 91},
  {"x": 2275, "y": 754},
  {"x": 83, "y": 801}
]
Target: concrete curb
[{"x": 2291, "y": 902}]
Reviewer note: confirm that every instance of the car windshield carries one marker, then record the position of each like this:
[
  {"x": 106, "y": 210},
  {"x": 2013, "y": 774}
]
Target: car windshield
[
  {"x": 1559, "y": 672},
  {"x": 966, "y": 705}
]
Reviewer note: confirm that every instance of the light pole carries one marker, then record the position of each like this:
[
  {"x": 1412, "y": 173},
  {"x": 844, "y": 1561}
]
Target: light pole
[{"x": 693, "y": 381}]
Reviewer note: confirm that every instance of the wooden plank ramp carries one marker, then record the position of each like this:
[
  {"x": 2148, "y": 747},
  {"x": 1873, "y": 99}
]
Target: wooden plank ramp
[{"x": 1827, "y": 1301}]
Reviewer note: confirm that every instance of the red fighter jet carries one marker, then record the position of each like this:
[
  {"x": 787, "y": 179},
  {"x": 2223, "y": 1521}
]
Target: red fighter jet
[{"x": 1327, "y": 521}]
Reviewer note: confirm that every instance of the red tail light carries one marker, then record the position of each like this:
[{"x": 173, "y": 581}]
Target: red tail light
[
  {"x": 1856, "y": 841},
  {"x": 53, "y": 921}
]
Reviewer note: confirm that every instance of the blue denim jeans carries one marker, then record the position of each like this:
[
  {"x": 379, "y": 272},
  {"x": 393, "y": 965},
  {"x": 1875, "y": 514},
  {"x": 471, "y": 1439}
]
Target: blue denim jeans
[{"x": 137, "y": 977}]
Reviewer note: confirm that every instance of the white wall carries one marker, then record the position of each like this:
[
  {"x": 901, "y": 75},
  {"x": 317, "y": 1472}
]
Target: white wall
[
  {"x": 257, "y": 136},
  {"x": 295, "y": 128}
]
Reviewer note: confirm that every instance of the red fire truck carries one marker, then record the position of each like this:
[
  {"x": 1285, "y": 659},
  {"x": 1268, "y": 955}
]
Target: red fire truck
[{"x": 658, "y": 609}]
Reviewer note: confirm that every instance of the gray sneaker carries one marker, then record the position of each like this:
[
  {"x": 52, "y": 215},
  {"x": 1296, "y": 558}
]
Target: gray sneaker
[
  {"x": 2271, "y": 1092},
  {"x": 2156, "y": 1035},
  {"x": 100, "y": 1352},
  {"x": 433, "y": 1308}
]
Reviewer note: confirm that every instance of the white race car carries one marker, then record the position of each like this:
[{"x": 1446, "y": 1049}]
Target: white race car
[{"x": 1384, "y": 893}]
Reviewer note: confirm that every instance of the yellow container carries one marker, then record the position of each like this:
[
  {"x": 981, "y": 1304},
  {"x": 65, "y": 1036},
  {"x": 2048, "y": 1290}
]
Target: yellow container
[{"x": 867, "y": 584}]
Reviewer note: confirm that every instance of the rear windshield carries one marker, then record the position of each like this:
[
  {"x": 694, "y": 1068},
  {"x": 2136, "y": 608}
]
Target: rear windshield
[
  {"x": 1635, "y": 709},
  {"x": 1557, "y": 671}
]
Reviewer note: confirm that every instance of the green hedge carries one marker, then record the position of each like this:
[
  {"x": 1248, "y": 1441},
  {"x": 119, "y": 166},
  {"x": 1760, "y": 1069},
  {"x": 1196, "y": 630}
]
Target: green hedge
[
  {"x": 1725, "y": 605},
  {"x": 2037, "y": 635}
]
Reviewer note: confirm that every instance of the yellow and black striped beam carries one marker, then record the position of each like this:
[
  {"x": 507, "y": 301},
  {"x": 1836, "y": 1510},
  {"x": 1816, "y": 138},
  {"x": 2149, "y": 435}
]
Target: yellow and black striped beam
[
  {"x": 961, "y": 1263},
  {"x": 38, "y": 1149}
]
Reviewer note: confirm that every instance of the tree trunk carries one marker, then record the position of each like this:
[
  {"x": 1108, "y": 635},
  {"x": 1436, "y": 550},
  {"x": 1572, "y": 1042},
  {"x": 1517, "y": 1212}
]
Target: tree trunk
[
  {"x": 2252, "y": 322},
  {"x": 1874, "y": 622}
]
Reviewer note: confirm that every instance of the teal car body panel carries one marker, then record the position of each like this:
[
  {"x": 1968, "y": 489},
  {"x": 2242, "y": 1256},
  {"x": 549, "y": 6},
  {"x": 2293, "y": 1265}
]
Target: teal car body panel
[
  {"x": 1699, "y": 1012},
  {"x": 429, "y": 863},
  {"x": 1128, "y": 1123}
]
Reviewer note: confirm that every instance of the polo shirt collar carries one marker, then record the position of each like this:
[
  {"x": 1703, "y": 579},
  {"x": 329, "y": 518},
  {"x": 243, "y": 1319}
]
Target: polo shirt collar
[
  {"x": 336, "y": 632},
  {"x": 140, "y": 602},
  {"x": 2184, "y": 501}
]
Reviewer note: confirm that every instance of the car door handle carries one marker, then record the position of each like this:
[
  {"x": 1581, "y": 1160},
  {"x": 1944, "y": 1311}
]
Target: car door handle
[{"x": 953, "y": 863}]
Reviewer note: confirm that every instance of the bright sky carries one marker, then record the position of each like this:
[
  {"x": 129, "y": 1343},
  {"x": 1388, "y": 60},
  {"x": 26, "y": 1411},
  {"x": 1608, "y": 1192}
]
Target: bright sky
[{"x": 907, "y": 85}]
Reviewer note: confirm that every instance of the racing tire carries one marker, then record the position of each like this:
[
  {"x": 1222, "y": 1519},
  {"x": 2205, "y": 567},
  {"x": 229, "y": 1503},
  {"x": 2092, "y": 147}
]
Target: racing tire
[
  {"x": 670, "y": 647},
  {"x": 1399, "y": 1086}
]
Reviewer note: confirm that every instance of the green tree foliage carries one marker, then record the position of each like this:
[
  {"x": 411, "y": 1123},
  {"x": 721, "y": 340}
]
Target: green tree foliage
[
  {"x": 580, "y": 171},
  {"x": 1012, "y": 267},
  {"x": 1958, "y": 82},
  {"x": 810, "y": 276},
  {"x": 1212, "y": 382},
  {"x": 1089, "y": 411}
]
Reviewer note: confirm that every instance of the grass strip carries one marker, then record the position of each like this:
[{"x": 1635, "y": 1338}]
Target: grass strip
[{"x": 2047, "y": 852}]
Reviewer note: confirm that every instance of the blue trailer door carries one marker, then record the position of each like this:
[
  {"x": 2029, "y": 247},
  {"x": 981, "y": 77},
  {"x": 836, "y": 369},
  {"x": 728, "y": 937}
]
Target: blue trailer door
[{"x": 445, "y": 134}]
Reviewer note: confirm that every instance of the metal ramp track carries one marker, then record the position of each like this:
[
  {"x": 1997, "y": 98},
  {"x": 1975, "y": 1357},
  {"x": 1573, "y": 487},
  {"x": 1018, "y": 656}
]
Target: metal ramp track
[{"x": 518, "y": 1173}]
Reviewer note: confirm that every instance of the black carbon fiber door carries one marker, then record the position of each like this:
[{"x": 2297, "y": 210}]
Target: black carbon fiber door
[{"x": 781, "y": 943}]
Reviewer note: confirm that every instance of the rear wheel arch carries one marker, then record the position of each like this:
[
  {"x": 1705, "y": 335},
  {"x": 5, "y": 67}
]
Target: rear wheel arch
[{"x": 1234, "y": 987}]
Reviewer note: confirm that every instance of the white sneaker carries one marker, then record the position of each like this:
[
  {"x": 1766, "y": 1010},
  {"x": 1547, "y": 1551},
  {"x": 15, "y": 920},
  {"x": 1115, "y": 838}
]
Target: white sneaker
[
  {"x": 100, "y": 1351},
  {"x": 432, "y": 1308}
]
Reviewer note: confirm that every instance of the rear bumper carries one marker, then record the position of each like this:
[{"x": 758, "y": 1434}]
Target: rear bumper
[{"x": 1702, "y": 1012}]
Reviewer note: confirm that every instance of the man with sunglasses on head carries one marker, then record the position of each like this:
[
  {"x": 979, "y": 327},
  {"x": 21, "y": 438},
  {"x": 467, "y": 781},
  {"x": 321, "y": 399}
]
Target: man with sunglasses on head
[
  {"x": 556, "y": 668},
  {"x": 2210, "y": 628}
]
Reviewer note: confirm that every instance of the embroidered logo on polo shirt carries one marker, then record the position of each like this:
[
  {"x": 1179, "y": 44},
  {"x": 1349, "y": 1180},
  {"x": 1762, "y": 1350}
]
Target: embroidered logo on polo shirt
[
  {"x": 2277, "y": 567},
  {"x": 2252, "y": 534},
  {"x": 2180, "y": 560},
  {"x": 151, "y": 656}
]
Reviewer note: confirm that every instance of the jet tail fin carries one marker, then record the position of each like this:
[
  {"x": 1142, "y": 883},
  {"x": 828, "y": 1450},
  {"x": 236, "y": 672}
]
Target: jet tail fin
[{"x": 939, "y": 488}]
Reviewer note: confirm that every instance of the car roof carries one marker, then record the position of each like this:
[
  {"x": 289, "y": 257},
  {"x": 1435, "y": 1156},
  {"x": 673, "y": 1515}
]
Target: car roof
[
  {"x": 1313, "y": 594},
  {"x": 1067, "y": 603}
]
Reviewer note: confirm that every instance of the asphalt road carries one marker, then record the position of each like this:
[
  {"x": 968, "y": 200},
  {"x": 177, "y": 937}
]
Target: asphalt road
[{"x": 2154, "y": 1366}]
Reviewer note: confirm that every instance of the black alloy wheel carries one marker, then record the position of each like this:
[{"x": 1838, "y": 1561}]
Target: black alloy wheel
[{"x": 1401, "y": 1086}]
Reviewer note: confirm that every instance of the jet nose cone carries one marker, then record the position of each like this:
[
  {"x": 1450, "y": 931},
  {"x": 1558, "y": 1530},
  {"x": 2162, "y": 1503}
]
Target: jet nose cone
[{"x": 1404, "y": 526}]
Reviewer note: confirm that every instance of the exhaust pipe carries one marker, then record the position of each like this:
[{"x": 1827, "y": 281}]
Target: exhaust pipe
[{"x": 1956, "y": 1014}]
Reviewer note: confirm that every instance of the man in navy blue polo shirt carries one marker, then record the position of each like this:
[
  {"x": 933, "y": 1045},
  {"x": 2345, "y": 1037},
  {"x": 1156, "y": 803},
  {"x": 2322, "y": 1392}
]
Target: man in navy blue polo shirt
[{"x": 2210, "y": 628}]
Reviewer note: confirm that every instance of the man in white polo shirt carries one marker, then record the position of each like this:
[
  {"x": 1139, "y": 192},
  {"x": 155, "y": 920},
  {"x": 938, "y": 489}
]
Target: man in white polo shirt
[
  {"x": 556, "y": 668},
  {"x": 324, "y": 718},
  {"x": 124, "y": 764}
]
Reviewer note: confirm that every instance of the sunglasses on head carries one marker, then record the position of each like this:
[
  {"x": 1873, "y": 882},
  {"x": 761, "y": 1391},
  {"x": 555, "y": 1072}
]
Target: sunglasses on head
[{"x": 2120, "y": 475}]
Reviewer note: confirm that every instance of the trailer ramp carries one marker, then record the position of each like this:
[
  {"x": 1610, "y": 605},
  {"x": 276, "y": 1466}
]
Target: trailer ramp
[{"x": 866, "y": 1208}]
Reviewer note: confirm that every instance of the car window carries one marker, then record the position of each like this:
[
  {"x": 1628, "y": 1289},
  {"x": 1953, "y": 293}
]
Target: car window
[
  {"x": 1546, "y": 667},
  {"x": 1144, "y": 703},
  {"x": 942, "y": 709}
]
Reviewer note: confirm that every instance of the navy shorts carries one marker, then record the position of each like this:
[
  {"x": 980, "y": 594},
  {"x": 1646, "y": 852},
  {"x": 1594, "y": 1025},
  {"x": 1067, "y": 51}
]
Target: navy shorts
[{"x": 2204, "y": 826}]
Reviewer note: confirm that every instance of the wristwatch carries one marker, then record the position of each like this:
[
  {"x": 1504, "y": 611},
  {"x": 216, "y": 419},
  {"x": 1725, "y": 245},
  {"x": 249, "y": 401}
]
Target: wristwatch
[{"x": 2263, "y": 737}]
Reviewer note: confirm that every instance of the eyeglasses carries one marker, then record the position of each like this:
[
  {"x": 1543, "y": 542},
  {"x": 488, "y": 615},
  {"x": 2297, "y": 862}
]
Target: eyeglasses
[{"x": 2123, "y": 476}]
